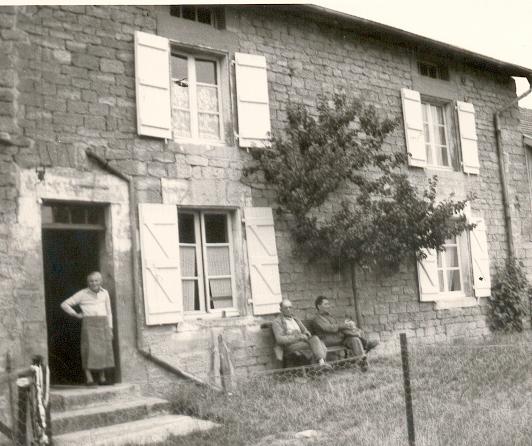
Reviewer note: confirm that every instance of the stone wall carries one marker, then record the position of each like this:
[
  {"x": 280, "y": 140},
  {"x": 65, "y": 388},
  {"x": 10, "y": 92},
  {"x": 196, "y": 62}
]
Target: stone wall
[{"x": 67, "y": 84}]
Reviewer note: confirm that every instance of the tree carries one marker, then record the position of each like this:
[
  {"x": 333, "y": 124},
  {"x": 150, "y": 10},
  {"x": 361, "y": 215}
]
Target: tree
[{"x": 336, "y": 160}]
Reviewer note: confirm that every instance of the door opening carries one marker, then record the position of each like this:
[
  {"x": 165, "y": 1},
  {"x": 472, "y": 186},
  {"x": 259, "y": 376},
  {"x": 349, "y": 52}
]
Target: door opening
[{"x": 73, "y": 239}]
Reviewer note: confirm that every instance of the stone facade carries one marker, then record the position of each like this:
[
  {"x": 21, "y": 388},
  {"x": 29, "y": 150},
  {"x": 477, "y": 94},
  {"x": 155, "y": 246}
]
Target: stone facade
[{"x": 67, "y": 85}]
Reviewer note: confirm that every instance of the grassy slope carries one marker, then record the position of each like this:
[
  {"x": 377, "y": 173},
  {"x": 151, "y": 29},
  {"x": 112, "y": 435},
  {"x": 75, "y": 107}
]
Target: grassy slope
[{"x": 463, "y": 395}]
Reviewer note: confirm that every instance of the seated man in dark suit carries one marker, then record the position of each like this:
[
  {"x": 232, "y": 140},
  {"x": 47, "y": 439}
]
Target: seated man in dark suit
[
  {"x": 294, "y": 340},
  {"x": 334, "y": 333}
]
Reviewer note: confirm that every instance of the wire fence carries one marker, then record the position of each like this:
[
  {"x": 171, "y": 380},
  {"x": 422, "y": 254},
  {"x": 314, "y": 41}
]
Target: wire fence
[{"x": 467, "y": 394}]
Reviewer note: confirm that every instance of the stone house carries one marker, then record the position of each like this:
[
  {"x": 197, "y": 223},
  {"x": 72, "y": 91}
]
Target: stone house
[{"x": 124, "y": 131}]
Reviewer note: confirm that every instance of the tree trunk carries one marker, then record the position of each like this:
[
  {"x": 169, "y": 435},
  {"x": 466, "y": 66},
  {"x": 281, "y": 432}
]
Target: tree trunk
[{"x": 356, "y": 302}]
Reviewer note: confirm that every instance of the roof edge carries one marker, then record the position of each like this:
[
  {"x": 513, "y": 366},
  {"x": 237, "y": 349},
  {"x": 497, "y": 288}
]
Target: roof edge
[{"x": 407, "y": 36}]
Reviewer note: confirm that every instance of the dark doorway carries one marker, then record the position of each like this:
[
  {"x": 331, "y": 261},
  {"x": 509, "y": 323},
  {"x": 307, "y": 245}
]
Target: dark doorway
[{"x": 69, "y": 255}]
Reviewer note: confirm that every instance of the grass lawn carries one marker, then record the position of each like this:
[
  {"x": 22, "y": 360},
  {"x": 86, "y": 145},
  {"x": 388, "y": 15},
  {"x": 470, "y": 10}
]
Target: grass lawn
[{"x": 477, "y": 394}]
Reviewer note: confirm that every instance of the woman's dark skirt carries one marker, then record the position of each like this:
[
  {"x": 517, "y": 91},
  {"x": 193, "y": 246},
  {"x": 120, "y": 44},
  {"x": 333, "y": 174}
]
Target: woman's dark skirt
[{"x": 96, "y": 343}]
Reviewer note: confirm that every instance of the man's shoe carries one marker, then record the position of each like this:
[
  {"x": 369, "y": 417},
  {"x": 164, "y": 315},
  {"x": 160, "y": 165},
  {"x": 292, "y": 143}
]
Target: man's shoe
[
  {"x": 325, "y": 366},
  {"x": 371, "y": 345}
]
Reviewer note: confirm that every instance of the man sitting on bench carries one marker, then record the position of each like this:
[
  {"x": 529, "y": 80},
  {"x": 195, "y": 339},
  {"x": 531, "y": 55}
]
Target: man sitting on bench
[
  {"x": 294, "y": 341},
  {"x": 332, "y": 333}
]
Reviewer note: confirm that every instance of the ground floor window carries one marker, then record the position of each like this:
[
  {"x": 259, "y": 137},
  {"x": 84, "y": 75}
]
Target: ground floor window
[{"x": 207, "y": 270}]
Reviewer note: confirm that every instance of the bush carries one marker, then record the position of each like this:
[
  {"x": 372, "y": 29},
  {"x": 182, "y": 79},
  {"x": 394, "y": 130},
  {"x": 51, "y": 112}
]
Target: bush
[{"x": 508, "y": 297}]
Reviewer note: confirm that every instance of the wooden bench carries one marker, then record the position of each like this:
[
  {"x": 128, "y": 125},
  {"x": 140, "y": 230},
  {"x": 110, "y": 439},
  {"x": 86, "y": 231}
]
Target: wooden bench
[{"x": 337, "y": 350}]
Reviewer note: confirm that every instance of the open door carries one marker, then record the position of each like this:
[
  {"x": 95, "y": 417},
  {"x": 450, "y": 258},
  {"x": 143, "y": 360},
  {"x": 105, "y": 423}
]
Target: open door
[{"x": 73, "y": 238}]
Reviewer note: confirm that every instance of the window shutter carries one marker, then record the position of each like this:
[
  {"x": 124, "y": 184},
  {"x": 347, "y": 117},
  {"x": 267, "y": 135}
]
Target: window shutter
[
  {"x": 428, "y": 277},
  {"x": 252, "y": 100},
  {"x": 263, "y": 261},
  {"x": 159, "y": 242},
  {"x": 480, "y": 258},
  {"x": 152, "y": 81},
  {"x": 413, "y": 122},
  {"x": 468, "y": 137}
]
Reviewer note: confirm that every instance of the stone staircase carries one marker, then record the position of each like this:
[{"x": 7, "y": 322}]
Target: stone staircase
[{"x": 115, "y": 415}]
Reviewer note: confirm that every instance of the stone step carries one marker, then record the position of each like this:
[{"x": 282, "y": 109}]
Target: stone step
[
  {"x": 149, "y": 431},
  {"x": 114, "y": 412},
  {"x": 73, "y": 397}
]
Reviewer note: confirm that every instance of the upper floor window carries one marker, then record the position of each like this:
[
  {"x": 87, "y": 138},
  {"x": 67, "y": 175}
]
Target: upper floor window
[
  {"x": 200, "y": 14},
  {"x": 196, "y": 97},
  {"x": 433, "y": 70},
  {"x": 436, "y": 130},
  {"x": 436, "y": 133}
]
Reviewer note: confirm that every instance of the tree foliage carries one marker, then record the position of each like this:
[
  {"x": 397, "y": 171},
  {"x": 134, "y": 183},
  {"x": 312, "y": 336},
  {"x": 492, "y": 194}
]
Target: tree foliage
[
  {"x": 508, "y": 297},
  {"x": 347, "y": 195}
]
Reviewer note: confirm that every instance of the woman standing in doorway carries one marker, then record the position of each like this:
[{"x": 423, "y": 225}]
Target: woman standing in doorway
[{"x": 96, "y": 327}]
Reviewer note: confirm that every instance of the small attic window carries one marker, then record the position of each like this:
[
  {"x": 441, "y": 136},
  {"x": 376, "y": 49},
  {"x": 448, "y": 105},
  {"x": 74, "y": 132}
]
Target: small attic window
[
  {"x": 201, "y": 14},
  {"x": 433, "y": 70}
]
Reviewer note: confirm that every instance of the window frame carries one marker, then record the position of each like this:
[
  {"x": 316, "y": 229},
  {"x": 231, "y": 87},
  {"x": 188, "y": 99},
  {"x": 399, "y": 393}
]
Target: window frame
[
  {"x": 213, "y": 18},
  {"x": 201, "y": 246},
  {"x": 192, "y": 56},
  {"x": 444, "y": 269},
  {"x": 447, "y": 109}
]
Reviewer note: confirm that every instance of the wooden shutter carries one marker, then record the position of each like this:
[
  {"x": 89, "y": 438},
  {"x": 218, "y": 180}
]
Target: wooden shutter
[
  {"x": 252, "y": 100},
  {"x": 468, "y": 137},
  {"x": 263, "y": 261},
  {"x": 480, "y": 259},
  {"x": 159, "y": 242},
  {"x": 427, "y": 272},
  {"x": 152, "y": 80},
  {"x": 413, "y": 122}
]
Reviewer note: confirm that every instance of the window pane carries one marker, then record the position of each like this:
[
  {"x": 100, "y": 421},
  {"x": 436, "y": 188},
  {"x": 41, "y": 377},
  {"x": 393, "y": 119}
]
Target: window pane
[
  {"x": 218, "y": 261},
  {"x": 443, "y": 156},
  {"x": 440, "y": 280},
  {"x": 440, "y": 259},
  {"x": 207, "y": 98},
  {"x": 451, "y": 257},
  {"x": 206, "y": 71},
  {"x": 77, "y": 215},
  {"x": 426, "y": 133},
  {"x": 61, "y": 214},
  {"x": 188, "y": 261},
  {"x": 209, "y": 126},
  {"x": 175, "y": 11},
  {"x": 180, "y": 98},
  {"x": 453, "y": 280},
  {"x": 428, "y": 150},
  {"x": 47, "y": 216},
  {"x": 221, "y": 293},
  {"x": 441, "y": 136},
  {"x": 451, "y": 240},
  {"x": 189, "y": 12},
  {"x": 181, "y": 122},
  {"x": 204, "y": 15},
  {"x": 439, "y": 114},
  {"x": 94, "y": 215},
  {"x": 179, "y": 67},
  {"x": 216, "y": 228},
  {"x": 186, "y": 228},
  {"x": 190, "y": 295}
]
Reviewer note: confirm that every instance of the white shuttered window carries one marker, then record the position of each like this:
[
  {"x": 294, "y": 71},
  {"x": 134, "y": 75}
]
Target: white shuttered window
[
  {"x": 206, "y": 248},
  {"x": 432, "y": 137},
  {"x": 460, "y": 270}
]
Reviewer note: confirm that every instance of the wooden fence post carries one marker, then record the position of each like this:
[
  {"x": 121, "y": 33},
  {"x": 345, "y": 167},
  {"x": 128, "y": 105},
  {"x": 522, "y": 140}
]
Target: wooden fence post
[
  {"x": 227, "y": 370},
  {"x": 408, "y": 391}
]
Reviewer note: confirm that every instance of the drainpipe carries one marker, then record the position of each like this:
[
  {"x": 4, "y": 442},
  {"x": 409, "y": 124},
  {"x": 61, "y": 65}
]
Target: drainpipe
[
  {"x": 502, "y": 169},
  {"x": 136, "y": 277}
]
